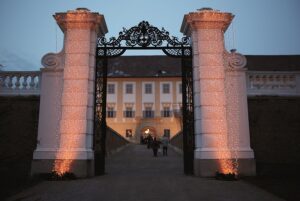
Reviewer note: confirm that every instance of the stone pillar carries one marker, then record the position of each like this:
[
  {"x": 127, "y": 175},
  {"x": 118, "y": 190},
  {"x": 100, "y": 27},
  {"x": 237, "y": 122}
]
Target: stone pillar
[
  {"x": 212, "y": 123},
  {"x": 74, "y": 132},
  {"x": 237, "y": 112}
]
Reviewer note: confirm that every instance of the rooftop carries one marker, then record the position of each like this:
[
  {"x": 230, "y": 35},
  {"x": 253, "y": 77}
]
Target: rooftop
[
  {"x": 144, "y": 66},
  {"x": 164, "y": 66},
  {"x": 273, "y": 62}
]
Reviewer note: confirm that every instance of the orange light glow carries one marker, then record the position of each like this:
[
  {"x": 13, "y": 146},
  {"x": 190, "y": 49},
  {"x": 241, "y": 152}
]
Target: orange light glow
[
  {"x": 228, "y": 166},
  {"x": 62, "y": 166},
  {"x": 70, "y": 141},
  {"x": 227, "y": 158},
  {"x": 64, "y": 160}
]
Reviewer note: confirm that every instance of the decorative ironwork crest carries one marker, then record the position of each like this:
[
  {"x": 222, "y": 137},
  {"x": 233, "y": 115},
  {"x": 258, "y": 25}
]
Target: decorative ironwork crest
[{"x": 144, "y": 36}]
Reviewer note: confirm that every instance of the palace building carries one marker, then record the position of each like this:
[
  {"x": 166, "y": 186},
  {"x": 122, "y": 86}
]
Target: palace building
[{"x": 144, "y": 96}]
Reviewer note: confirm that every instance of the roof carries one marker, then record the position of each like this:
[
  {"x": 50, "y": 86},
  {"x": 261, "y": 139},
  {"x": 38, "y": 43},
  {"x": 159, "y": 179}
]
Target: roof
[
  {"x": 164, "y": 66},
  {"x": 144, "y": 66},
  {"x": 273, "y": 62}
]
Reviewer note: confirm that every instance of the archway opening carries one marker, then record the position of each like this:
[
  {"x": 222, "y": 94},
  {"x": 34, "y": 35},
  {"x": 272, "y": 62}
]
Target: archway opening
[{"x": 143, "y": 37}]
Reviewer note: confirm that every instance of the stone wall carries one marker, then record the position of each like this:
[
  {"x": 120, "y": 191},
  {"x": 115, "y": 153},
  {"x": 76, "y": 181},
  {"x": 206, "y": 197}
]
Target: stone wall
[
  {"x": 114, "y": 141},
  {"x": 274, "y": 130},
  {"x": 177, "y": 141},
  {"x": 18, "y": 138},
  {"x": 275, "y": 134},
  {"x": 18, "y": 135}
]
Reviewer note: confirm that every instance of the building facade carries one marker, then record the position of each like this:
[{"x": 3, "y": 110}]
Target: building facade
[
  {"x": 141, "y": 106},
  {"x": 145, "y": 101}
]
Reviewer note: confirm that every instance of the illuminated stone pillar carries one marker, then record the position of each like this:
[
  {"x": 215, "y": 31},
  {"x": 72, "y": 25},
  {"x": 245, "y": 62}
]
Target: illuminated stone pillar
[
  {"x": 237, "y": 112},
  {"x": 73, "y": 149},
  {"x": 212, "y": 124}
]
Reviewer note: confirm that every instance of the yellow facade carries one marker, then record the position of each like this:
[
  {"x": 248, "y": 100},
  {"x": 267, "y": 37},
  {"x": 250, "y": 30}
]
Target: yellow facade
[{"x": 160, "y": 102}]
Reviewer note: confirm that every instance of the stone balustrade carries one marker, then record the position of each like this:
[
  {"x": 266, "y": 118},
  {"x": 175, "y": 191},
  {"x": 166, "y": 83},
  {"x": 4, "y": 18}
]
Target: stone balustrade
[
  {"x": 20, "y": 82},
  {"x": 258, "y": 83},
  {"x": 273, "y": 83}
]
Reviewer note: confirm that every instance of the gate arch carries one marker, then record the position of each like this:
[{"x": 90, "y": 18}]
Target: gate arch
[{"x": 143, "y": 37}]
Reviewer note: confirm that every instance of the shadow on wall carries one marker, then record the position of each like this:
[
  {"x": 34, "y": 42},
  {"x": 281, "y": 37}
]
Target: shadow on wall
[
  {"x": 274, "y": 131},
  {"x": 114, "y": 141},
  {"x": 275, "y": 134},
  {"x": 18, "y": 135},
  {"x": 177, "y": 142},
  {"x": 18, "y": 139}
]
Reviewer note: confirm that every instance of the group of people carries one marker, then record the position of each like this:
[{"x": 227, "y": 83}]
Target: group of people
[{"x": 155, "y": 144}]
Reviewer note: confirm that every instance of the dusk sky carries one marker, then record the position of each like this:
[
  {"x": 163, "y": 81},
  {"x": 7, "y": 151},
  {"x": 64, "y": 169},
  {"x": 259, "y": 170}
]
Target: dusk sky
[{"x": 260, "y": 27}]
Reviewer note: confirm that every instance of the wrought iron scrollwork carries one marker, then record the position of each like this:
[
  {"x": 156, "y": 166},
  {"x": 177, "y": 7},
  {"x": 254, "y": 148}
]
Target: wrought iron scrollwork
[
  {"x": 188, "y": 115},
  {"x": 178, "y": 52},
  {"x": 100, "y": 116},
  {"x": 144, "y": 36}
]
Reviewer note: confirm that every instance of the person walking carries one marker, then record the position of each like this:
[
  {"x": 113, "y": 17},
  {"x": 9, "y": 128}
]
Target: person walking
[
  {"x": 149, "y": 141},
  {"x": 165, "y": 143},
  {"x": 155, "y": 147}
]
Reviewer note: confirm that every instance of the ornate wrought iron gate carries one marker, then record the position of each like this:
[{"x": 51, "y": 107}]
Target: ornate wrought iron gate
[
  {"x": 143, "y": 36},
  {"x": 188, "y": 115}
]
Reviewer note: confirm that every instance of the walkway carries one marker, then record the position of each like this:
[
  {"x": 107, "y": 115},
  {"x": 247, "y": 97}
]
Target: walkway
[{"x": 135, "y": 175}]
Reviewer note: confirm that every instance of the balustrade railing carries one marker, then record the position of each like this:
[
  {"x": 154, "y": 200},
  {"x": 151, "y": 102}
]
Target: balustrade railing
[
  {"x": 258, "y": 83},
  {"x": 20, "y": 82},
  {"x": 273, "y": 83}
]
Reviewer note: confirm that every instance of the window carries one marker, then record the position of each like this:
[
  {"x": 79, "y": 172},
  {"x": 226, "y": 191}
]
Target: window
[
  {"x": 166, "y": 88},
  {"x": 166, "y": 112},
  {"x": 110, "y": 88},
  {"x": 128, "y": 133},
  {"x": 167, "y": 133},
  {"x": 110, "y": 112},
  {"x": 129, "y": 88},
  {"x": 148, "y": 88},
  {"x": 148, "y": 113},
  {"x": 128, "y": 113},
  {"x": 180, "y": 88}
]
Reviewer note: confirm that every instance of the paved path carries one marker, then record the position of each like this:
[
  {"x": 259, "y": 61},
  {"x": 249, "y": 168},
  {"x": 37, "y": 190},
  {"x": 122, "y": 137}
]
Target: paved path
[{"x": 135, "y": 175}]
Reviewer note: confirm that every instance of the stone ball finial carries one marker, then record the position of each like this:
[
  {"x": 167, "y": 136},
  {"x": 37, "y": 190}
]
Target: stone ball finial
[
  {"x": 206, "y": 9},
  {"x": 82, "y": 9}
]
